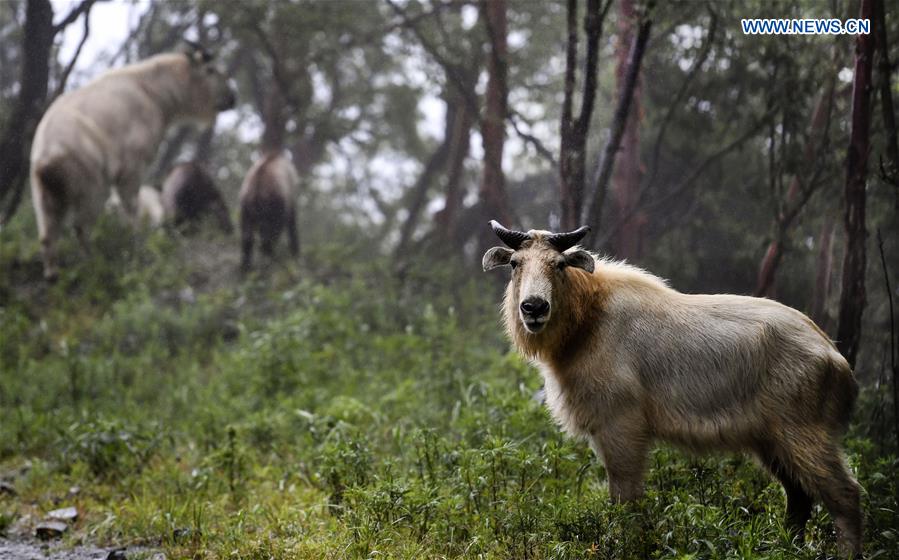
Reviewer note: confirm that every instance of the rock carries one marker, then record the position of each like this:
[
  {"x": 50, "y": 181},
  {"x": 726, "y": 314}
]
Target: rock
[
  {"x": 117, "y": 554},
  {"x": 68, "y": 514},
  {"x": 187, "y": 295},
  {"x": 7, "y": 488},
  {"x": 47, "y": 530},
  {"x": 184, "y": 533},
  {"x": 74, "y": 490}
]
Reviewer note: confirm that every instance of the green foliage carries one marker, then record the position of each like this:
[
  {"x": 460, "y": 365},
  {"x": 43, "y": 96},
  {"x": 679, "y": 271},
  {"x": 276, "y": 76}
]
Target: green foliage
[
  {"x": 108, "y": 448},
  {"x": 303, "y": 415}
]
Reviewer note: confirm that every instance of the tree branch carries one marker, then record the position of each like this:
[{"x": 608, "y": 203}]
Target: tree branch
[
  {"x": 604, "y": 171},
  {"x": 679, "y": 97},
  {"x": 73, "y": 16},
  {"x": 542, "y": 150},
  {"x": 453, "y": 71},
  {"x": 684, "y": 185},
  {"x": 61, "y": 86}
]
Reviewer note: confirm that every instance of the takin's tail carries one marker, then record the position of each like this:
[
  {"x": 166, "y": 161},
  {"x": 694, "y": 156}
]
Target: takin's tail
[
  {"x": 840, "y": 393},
  {"x": 52, "y": 180}
]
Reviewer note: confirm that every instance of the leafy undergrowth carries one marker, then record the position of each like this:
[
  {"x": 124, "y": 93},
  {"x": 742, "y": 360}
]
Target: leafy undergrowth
[{"x": 327, "y": 410}]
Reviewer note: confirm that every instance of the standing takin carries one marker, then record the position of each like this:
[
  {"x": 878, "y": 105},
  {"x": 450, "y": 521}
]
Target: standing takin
[
  {"x": 628, "y": 361},
  {"x": 268, "y": 206},
  {"x": 104, "y": 134},
  {"x": 189, "y": 193}
]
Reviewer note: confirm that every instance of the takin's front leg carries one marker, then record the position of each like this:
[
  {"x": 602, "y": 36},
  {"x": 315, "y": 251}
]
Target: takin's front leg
[{"x": 623, "y": 446}]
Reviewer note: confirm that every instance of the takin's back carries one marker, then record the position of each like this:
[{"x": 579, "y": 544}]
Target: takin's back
[
  {"x": 715, "y": 369},
  {"x": 117, "y": 117}
]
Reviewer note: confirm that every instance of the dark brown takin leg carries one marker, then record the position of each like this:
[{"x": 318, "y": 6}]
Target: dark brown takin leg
[
  {"x": 841, "y": 495},
  {"x": 817, "y": 461},
  {"x": 246, "y": 241},
  {"x": 293, "y": 237},
  {"x": 799, "y": 502}
]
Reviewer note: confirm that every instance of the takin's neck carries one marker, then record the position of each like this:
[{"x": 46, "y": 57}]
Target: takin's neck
[
  {"x": 165, "y": 78},
  {"x": 571, "y": 326}
]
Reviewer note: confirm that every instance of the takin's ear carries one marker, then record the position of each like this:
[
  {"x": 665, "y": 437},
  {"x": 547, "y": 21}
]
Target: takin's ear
[
  {"x": 497, "y": 256},
  {"x": 580, "y": 259},
  {"x": 196, "y": 53}
]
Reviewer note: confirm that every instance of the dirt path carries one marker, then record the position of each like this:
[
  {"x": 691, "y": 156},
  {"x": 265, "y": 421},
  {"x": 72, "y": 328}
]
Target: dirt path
[{"x": 37, "y": 550}]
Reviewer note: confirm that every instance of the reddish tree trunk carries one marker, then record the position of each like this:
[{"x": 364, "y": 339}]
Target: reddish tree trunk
[
  {"x": 628, "y": 170},
  {"x": 493, "y": 188},
  {"x": 460, "y": 141},
  {"x": 796, "y": 198},
  {"x": 37, "y": 42},
  {"x": 823, "y": 270},
  {"x": 852, "y": 296}
]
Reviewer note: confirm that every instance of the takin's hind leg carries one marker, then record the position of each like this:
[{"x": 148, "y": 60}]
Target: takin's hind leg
[
  {"x": 293, "y": 237},
  {"x": 85, "y": 219},
  {"x": 246, "y": 247},
  {"x": 841, "y": 495},
  {"x": 50, "y": 210},
  {"x": 822, "y": 469},
  {"x": 799, "y": 502}
]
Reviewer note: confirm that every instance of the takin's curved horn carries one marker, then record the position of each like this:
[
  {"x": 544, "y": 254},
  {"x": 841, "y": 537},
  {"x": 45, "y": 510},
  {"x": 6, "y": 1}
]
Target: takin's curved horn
[
  {"x": 513, "y": 239},
  {"x": 565, "y": 241}
]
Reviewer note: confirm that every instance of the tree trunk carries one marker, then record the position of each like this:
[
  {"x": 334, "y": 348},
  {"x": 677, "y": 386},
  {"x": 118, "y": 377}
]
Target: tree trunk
[
  {"x": 460, "y": 142},
  {"x": 170, "y": 152},
  {"x": 574, "y": 131},
  {"x": 203, "y": 150},
  {"x": 493, "y": 189},
  {"x": 852, "y": 296},
  {"x": 797, "y": 196},
  {"x": 622, "y": 110},
  {"x": 889, "y": 169},
  {"x": 15, "y": 143},
  {"x": 274, "y": 119},
  {"x": 419, "y": 191},
  {"x": 823, "y": 270},
  {"x": 628, "y": 174}
]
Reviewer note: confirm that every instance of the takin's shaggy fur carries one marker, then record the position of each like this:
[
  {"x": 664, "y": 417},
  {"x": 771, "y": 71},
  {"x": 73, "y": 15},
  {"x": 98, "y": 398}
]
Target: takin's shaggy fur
[
  {"x": 268, "y": 206},
  {"x": 103, "y": 135},
  {"x": 628, "y": 360}
]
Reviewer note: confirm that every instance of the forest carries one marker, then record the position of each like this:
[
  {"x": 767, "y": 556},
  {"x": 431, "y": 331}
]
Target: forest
[{"x": 351, "y": 391}]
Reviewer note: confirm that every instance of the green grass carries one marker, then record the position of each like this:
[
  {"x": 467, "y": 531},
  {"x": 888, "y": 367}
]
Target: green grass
[{"x": 327, "y": 410}]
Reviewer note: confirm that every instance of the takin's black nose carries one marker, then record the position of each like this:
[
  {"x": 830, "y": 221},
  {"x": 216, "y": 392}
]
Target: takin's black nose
[{"x": 534, "y": 307}]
